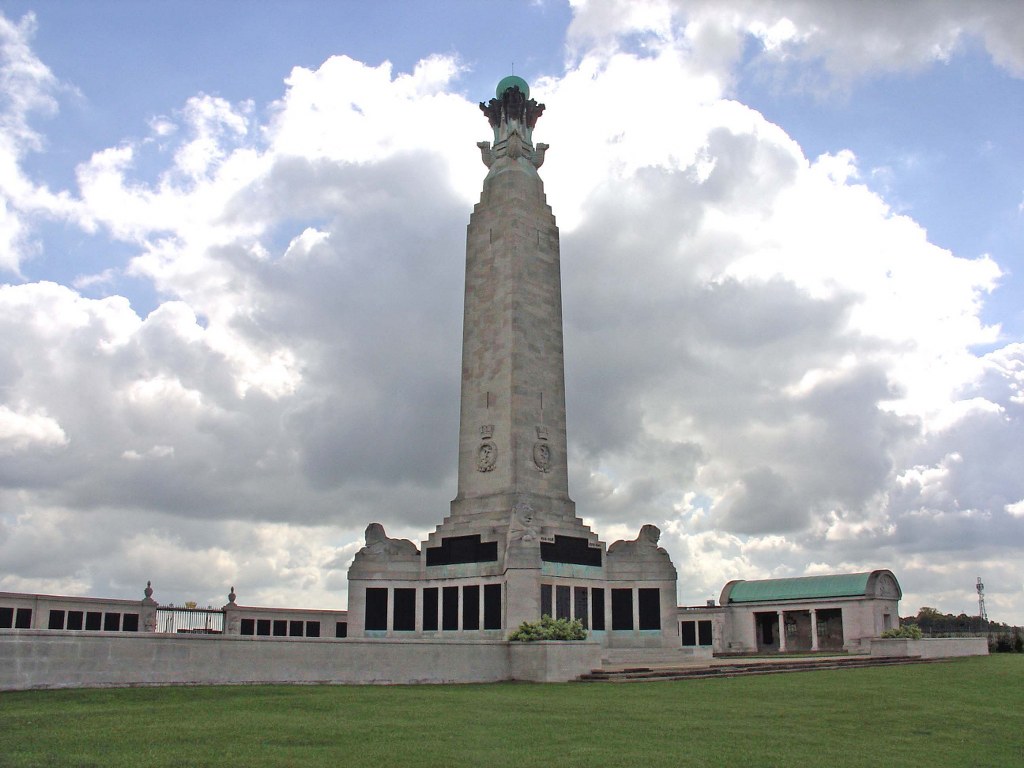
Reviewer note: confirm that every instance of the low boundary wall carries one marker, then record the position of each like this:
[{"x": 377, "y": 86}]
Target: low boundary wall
[
  {"x": 43, "y": 659},
  {"x": 930, "y": 647}
]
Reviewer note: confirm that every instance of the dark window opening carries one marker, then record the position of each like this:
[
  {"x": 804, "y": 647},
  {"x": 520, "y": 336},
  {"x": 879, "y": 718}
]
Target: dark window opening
[
  {"x": 570, "y": 549},
  {"x": 471, "y": 607},
  {"x": 597, "y": 601},
  {"x": 404, "y": 619},
  {"x": 650, "y": 608},
  {"x": 376, "y": 608},
  {"x": 430, "y": 609},
  {"x": 462, "y": 549},
  {"x": 622, "y": 609},
  {"x": 704, "y": 632},
  {"x": 56, "y": 620},
  {"x": 492, "y": 606},
  {"x": 688, "y": 631},
  {"x": 450, "y": 608}
]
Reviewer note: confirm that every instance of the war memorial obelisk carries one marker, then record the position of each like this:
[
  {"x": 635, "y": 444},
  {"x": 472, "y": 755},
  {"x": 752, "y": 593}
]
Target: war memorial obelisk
[{"x": 512, "y": 548}]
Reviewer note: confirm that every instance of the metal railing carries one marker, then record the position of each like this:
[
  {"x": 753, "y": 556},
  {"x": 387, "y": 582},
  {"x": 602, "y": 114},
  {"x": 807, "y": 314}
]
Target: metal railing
[{"x": 190, "y": 621}]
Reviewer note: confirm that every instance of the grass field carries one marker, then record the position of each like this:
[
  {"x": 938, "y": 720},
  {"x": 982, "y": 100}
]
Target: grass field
[{"x": 967, "y": 712}]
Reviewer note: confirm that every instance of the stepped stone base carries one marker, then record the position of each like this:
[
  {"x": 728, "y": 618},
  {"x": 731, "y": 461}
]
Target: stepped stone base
[{"x": 732, "y": 668}]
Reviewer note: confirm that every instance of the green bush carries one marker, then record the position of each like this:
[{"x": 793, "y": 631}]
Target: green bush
[
  {"x": 1006, "y": 643},
  {"x": 549, "y": 629},
  {"x": 909, "y": 631}
]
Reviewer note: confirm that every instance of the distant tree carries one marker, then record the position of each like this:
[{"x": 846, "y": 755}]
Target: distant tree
[{"x": 929, "y": 614}]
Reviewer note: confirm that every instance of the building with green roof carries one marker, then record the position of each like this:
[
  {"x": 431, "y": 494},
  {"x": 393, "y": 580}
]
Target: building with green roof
[{"x": 815, "y": 613}]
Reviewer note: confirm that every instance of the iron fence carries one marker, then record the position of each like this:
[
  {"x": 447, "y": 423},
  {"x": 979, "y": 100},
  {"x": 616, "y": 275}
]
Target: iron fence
[{"x": 190, "y": 621}]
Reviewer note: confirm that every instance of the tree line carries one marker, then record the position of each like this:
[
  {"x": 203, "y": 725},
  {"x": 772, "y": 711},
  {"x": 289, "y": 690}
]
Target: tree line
[{"x": 1002, "y": 637}]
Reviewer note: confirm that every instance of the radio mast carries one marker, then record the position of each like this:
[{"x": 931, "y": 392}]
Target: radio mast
[{"x": 981, "y": 601}]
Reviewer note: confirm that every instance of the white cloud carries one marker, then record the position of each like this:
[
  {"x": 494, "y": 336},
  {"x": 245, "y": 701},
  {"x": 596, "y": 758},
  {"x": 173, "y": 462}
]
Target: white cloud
[
  {"x": 850, "y": 40},
  {"x": 20, "y": 430},
  {"x": 27, "y": 86},
  {"x": 763, "y": 358}
]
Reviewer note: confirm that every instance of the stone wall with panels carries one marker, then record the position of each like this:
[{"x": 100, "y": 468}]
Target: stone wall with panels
[{"x": 43, "y": 659}]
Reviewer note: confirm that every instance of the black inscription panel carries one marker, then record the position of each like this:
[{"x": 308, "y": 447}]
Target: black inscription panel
[
  {"x": 597, "y": 601},
  {"x": 580, "y": 595},
  {"x": 376, "y": 608},
  {"x": 570, "y": 549},
  {"x": 462, "y": 549},
  {"x": 688, "y": 633},
  {"x": 449, "y": 609},
  {"x": 404, "y": 619},
  {"x": 622, "y": 609},
  {"x": 430, "y": 609},
  {"x": 492, "y": 606},
  {"x": 704, "y": 632},
  {"x": 471, "y": 607},
  {"x": 562, "y": 597},
  {"x": 650, "y": 608}
]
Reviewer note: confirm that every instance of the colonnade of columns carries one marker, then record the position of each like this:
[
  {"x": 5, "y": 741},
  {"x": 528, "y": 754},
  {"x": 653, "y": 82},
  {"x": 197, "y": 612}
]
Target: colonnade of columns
[{"x": 814, "y": 630}]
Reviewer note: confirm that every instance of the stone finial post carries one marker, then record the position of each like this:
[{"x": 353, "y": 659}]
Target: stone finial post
[
  {"x": 148, "y": 609},
  {"x": 232, "y": 615}
]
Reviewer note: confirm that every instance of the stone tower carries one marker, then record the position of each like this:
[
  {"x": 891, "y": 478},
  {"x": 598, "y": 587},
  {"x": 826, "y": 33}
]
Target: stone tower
[
  {"x": 512, "y": 547},
  {"x": 512, "y": 446}
]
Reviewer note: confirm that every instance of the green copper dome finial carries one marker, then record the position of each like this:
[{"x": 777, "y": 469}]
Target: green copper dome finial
[{"x": 508, "y": 82}]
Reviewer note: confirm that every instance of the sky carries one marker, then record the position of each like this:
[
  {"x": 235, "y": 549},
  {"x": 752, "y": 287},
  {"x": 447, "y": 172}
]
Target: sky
[{"x": 232, "y": 244}]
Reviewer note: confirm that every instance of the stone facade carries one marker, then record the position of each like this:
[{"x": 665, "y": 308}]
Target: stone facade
[{"x": 512, "y": 547}]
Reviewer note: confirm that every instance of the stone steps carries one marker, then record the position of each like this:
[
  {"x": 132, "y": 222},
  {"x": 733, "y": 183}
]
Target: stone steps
[
  {"x": 632, "y": 657},
  {"x": 696, "y": 672}
]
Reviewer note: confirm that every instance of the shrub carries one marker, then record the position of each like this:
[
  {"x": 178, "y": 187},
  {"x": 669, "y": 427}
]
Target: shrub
[
  {"x": 1000, "y": 644},
  {"x": 908, "y": 631},
  {"x": 549, "y": 629}
]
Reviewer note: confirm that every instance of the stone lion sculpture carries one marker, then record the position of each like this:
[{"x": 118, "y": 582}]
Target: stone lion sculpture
[
  {"x": 379, "y": 544},
  {"x": 645, "y": 545}
]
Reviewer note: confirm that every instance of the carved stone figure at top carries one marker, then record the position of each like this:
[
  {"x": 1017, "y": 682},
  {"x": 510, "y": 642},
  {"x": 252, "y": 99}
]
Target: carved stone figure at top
[
  {"x": 379, "y": 544},
  {"x": 521, "y": 527},
  {"x": 512, "y": 116},
  {"x": 644, "y": 546}
]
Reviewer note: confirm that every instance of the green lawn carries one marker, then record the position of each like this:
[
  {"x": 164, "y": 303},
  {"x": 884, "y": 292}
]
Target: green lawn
[{"x": 967, "y": 712}]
